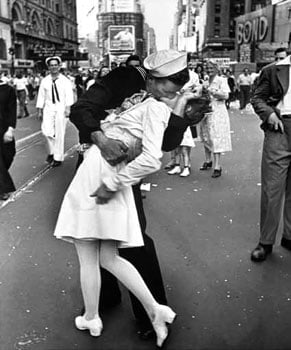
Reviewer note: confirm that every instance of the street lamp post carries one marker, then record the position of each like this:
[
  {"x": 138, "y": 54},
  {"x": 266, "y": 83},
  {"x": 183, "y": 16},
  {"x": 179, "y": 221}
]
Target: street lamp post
[{"x": 11, "y": 52}]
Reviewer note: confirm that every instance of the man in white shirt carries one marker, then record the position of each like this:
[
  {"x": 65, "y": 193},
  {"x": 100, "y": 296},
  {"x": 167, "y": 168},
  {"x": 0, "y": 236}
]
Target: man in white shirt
[
  {"x": 55, "y": 96},
  {"x": 272, "y": 102},
  {"x": 20, "y": 83},
  {"x": 244, "y": 83}
]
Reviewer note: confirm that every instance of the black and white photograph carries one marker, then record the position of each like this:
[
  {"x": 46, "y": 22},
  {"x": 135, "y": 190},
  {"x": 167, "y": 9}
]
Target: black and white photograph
[{"x": 145, "y": 174}]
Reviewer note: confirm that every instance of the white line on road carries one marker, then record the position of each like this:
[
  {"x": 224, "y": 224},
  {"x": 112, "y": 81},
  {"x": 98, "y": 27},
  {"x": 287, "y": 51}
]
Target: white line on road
[
  {"x": 20, "y": 191},
  {"x": 24, "y": 139}
]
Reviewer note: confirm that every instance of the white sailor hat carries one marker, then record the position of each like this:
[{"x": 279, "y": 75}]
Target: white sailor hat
[
  {"x": 57, "y": 58},
  {"x": 164, "y": 63}
]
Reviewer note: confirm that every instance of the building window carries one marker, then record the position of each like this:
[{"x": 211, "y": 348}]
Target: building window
[
  {"x": 217, "y": 32},
  {"x": 3, "y": 49},
  {"x": 35, "y": 22},
  {"x": 289, "y": 13},
  {"x": 57, "y": 8},
  {"x": 217, "y": 8},
  {"x": 50, "y": 27},
  {"x": 217, "y": 21}
]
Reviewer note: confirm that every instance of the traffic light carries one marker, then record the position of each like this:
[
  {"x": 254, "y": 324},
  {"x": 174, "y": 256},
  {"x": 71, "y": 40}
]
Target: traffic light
[{"x": 11, "y": 51}]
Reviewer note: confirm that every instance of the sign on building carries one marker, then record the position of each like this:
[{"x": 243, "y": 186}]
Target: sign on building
[
  {"x": 255, "y": 26},
  {"x": 222, "y": 61},
  {"x": 120, "y": 6},
  {"x": 124, "y": 5},
  {"x": 245, "y": 53},
  {"x": 23, "y": 63},
  {"x": 121, "y": 38}
]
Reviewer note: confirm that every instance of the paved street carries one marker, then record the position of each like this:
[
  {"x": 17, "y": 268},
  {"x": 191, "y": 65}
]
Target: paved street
[{"x": 204, "y": 230}]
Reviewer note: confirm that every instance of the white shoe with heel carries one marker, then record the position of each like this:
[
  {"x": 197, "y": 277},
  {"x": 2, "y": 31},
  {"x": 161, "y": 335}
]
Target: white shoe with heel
[
  {"x": 186, "y": 171},
  {"x": 163, "y": 316},
  {"x": 94, "y": 326},
  {"x": 175, "y": 170}
]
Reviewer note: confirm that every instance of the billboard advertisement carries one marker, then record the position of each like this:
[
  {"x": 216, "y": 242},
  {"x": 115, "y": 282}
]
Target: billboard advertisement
[
  {"x": 255, "y": 26},
  {"x": 124, "y": 5},
  {"x": 121, "y": 38},
  {"x": 121, "y": 6}
]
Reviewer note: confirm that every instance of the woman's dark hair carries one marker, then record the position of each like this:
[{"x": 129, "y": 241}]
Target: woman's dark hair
[{"x": 179, "y": 78}]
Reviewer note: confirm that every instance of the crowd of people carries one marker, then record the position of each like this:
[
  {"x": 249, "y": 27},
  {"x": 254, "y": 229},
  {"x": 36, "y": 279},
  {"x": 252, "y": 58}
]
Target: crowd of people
[
  {"x": 18, "y": 89},
  {"x": 124, "y": 129}
]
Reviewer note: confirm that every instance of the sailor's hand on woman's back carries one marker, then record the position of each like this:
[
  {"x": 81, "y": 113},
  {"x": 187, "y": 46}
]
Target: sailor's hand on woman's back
[{"x": 113, "y": 151}]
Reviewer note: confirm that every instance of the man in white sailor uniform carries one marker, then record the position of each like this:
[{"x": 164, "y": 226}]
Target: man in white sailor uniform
[{"x": 54, "y": 99}]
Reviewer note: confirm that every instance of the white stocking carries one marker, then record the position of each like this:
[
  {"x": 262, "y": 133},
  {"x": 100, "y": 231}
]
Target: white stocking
[
  {"x": 127, "y": 274},
  {"x": 88, "y": 253}
]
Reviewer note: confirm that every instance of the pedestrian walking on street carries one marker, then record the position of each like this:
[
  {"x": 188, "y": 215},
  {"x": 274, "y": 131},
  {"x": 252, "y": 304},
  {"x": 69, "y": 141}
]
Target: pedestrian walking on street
[
  {"x": 272, "y": 103},
  {"x": 181, "y": 156},
  {"x": 232, "y": 87},
  {"x": 20, "y": 83},
  {"x": 180, "y": 162},
  {"x": 8, "y": 108},
  {"x": 244, "y": 84},
  {"x": 215, "y": 127},
  {"x": 98, "y": 228},
  {"x": 55, "y": 96}
]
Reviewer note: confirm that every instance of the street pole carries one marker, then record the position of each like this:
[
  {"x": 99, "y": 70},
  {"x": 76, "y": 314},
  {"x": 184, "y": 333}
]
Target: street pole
[{"x": 11, "y": 52}]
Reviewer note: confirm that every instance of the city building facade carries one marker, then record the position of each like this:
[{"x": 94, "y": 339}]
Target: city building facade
[
  {"x": 122, "y": 30},
  {"x": 259, "y": 33},
  {"x": 232, "y": 30},
  {"x": 5, "y": 36},
  {"x": 40, "y": 28}
]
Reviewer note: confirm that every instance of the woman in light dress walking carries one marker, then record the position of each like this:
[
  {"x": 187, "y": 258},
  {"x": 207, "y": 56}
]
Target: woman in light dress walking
[{"x": 215, "y": 127}]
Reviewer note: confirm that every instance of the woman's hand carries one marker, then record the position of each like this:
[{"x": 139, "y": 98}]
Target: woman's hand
[{"x": 179, "y": 103}]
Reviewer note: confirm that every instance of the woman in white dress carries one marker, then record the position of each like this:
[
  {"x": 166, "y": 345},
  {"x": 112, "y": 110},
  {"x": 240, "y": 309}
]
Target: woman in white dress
[
  {"x": 215, "y": 127},
  {"x": 181, "y": 155},
  {"x": 98, "y": 212}
]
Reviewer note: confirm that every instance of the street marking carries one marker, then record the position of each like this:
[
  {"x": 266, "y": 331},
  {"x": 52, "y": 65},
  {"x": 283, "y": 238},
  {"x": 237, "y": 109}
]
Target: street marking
[
  {"x": 23, "y": 189},
  {"x": 24, "y": 139}
]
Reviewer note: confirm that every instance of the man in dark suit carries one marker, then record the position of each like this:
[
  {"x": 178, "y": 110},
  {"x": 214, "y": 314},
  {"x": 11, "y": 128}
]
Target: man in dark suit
[
  {"x": 86, "y": 114},
  {"x": 272, "y": 102},
  {"x": 7, "y": 142}
]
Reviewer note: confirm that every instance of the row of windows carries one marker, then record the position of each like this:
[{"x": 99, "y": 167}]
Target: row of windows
[
  {"x": 70, "y": 32},
  {"x": 68, "y": 6}
]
